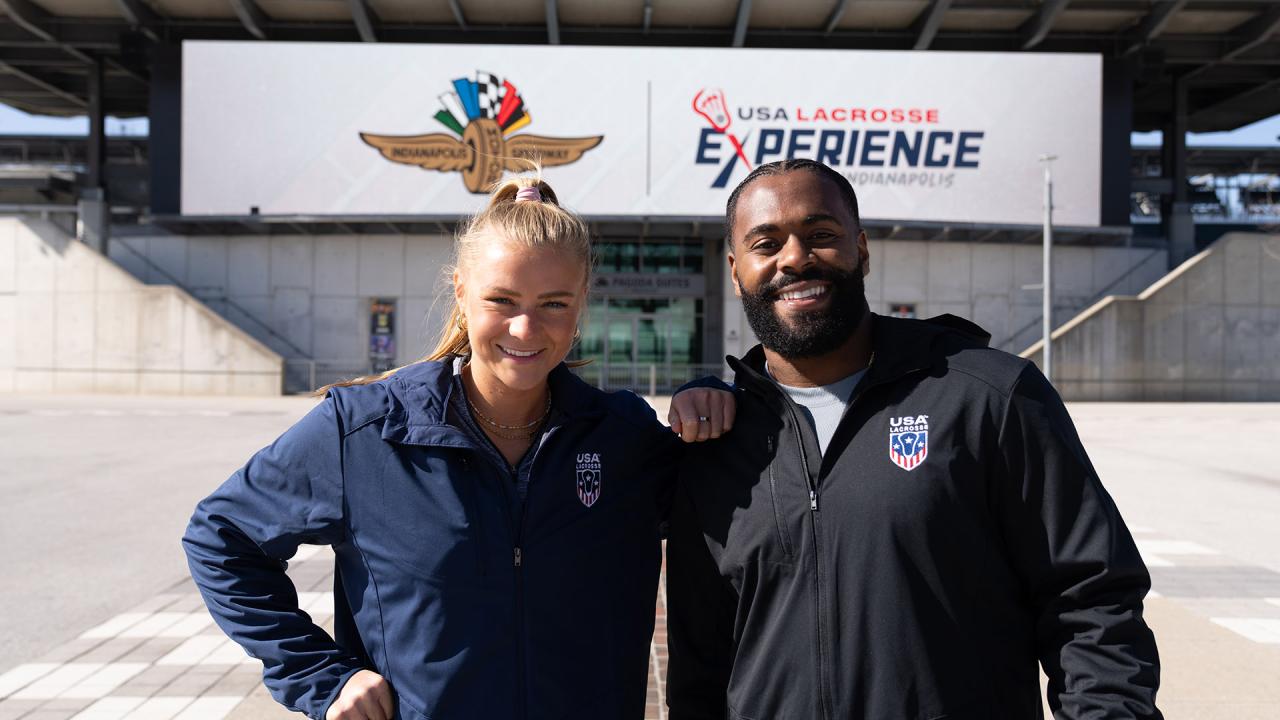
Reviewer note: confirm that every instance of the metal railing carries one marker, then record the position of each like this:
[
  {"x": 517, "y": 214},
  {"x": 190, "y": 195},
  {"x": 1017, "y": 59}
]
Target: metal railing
[
  {"x": 645, "y": 378},
  {"x": 304, "y": 375}
]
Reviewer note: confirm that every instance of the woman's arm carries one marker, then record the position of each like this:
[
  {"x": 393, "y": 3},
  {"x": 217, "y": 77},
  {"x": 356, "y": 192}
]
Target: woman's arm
[{"x": 288, "y": 494}]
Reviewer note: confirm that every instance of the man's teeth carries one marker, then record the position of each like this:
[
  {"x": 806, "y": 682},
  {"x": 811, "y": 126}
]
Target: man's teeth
[
  {"x": 518, "y": 353},
  {"x": 801, "y": 294}
]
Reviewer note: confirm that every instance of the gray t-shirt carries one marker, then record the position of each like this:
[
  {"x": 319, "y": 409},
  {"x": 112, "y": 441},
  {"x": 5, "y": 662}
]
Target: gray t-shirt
[{"x": 824, "y": 405}]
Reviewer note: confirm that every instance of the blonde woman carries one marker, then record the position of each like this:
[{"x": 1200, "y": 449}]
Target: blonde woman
[{"x": 495, "y": 519}]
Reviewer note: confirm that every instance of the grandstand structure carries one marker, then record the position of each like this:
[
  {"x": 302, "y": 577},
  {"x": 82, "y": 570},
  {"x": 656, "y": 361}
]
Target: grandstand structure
[{"x": 1176, "y": 66}]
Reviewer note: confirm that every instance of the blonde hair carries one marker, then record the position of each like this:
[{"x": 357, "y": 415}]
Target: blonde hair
[{"x": 527, "y": 223}]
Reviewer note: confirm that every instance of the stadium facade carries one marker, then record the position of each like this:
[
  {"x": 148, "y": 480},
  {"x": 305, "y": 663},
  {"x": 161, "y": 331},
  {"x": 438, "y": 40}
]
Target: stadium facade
[{"x": 307, "y": 192}]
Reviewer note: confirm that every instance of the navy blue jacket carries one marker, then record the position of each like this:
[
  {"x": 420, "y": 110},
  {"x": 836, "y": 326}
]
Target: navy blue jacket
[{"x": 469, "y": 602}]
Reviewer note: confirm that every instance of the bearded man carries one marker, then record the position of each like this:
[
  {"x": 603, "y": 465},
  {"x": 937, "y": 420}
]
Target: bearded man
[{"x": 903, "y": 522}]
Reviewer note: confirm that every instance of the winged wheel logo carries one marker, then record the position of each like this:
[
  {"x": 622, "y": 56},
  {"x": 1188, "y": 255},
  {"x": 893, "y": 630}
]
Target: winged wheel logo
[{"x": 487, "y": 144}]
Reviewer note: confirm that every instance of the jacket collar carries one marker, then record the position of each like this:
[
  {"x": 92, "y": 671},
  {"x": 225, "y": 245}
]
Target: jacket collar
[
  {"x": 899, "y": 347},
  {"x": 419, "y": 397}
]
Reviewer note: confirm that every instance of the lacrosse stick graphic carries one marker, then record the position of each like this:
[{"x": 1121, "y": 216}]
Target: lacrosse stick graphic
[{"x": 711, "y": 105}]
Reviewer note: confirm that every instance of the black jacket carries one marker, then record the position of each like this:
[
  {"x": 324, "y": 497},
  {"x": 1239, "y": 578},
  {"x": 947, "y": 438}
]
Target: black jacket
[{"x": 896, "y": 577}]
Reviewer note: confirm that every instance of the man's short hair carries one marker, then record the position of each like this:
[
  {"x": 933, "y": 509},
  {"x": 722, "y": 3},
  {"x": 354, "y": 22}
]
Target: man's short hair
[{"x": 780, "y": 167}]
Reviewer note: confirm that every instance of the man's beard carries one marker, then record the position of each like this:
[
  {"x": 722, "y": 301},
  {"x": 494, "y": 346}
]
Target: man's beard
[{"x": 813, "y": 333}]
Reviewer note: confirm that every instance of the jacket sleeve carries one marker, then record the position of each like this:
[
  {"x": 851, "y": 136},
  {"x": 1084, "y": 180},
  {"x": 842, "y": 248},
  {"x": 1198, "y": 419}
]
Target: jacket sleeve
[
  {"x": 238, "y": 540},
  {"x": 709, "y": 381},
  {"x": 1078, "y": 562},
  {"x": 700, "y": 615}
]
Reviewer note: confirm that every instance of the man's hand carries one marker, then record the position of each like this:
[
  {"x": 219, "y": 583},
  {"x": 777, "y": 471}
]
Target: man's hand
[
  {"x": 366, "y": 696},
  {"x": 699, "y": 414}
]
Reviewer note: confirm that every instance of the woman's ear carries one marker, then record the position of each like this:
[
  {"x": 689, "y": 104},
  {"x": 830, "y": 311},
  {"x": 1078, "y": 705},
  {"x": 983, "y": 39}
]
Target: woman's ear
[{"x": 458, "y": 291}]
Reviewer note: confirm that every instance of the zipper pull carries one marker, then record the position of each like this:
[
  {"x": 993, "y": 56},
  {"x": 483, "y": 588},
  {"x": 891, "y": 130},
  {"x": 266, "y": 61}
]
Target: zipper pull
[
  {"x": 813, "y": 499},
  {"x": 517, "y": 557}
]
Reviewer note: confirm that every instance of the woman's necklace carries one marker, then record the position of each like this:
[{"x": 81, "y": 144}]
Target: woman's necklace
[{"x": 511, "y": 432}]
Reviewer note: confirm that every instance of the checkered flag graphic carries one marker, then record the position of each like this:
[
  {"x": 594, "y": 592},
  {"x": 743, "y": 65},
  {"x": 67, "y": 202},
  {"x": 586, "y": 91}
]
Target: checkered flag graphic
[{"x": 490, "y": 93}]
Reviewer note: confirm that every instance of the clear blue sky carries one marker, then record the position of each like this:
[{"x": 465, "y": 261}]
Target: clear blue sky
[{"x": 1264, "y": 132}]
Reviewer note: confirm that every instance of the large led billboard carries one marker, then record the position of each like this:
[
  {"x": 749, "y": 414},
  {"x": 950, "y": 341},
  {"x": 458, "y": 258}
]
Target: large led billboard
[{"x": 393, "y": 129}]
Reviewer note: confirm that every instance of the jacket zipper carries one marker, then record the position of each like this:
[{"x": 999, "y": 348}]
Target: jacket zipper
[
  {"x": 517, "y": 563},
  {"x": 823, "y": 700}
]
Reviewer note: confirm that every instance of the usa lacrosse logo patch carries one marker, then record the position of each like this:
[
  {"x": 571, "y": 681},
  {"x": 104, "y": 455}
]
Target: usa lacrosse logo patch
[
  {"x": 589, "y": 471},
  {"x": 909, "y": 440}
]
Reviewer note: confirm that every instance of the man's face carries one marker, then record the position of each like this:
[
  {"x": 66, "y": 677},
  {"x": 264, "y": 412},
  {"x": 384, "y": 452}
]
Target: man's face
[{"x": 798, "y": 262}]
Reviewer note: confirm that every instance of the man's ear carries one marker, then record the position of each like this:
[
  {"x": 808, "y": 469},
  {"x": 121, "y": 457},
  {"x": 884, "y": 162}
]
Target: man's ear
[{"x": 733, "y": 274}]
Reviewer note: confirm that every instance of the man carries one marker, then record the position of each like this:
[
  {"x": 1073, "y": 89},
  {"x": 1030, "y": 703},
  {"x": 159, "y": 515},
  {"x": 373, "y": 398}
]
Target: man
[{"x": 902, "y": 521}]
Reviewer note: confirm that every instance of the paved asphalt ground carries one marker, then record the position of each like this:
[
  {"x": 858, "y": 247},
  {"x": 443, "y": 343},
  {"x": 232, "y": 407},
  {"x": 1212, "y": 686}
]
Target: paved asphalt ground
[{"x": 96, "y": 491}]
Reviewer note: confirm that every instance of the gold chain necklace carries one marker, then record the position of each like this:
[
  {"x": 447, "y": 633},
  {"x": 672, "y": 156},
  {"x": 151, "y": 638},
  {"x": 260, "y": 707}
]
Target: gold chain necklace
[{"x": 522, "y": 432}]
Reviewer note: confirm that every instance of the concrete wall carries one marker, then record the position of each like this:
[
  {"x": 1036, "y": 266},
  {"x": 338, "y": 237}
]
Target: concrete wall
[
  {"x": 1209, "y": 330},
  {"x": 301, "y": 295},
  {"x": 73, "y": 321},
  {"x": 984, "y": 282}
]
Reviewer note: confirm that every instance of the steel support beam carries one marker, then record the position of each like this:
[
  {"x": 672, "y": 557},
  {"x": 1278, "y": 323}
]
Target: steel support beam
[
  {"x": 1254, "y": 32},
  {"x": 646, "y": 20},
  {"x": 1153, "y": 24},
  {"x": 553, "y": 22},
  {"x": 930, "y": 21},
  {"x": 833, "y": 19},
  {"x": 456, "y": 8},
  {"x": 366, "y": 20},
  {"x": 96, "y": 149},
  {"x": 1271, "y": 86},
  {"x": 35, "y": 20},
  {"x": 740, "y": 25},
  {"x": 45, "y": 85},
  {"x": 1175, "y": 211},
  {"x": 1033, "y": 31},
  {"x": 140, "y": 16},
  {"x": 1247, "y": 36},
  {"x": 251, "y": 17}
]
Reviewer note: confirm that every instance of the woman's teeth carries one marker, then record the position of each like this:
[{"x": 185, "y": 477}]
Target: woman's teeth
[
  {"x": 802, "y": 294},
  {"x": 518, "y": 353}
]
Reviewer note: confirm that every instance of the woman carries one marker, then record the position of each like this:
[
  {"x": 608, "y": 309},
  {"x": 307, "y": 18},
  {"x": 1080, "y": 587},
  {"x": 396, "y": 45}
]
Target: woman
[{"x": 495, "y": 519}]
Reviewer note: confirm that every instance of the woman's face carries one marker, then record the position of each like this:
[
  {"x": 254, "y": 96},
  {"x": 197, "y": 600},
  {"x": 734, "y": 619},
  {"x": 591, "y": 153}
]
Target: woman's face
[{"x": 521, "y": 306}]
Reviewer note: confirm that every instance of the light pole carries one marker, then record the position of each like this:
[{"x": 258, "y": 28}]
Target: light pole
[{"x": 1046, "y": 352}]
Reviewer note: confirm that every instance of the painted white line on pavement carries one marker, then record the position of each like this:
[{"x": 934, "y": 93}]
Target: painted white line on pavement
[
  {"x": 1154, "y": 560},
  {"x": 213, "y": 707},
  {"x": 55, "y": 683},
  {"x": 1259, "y": 630},
  {"x": 305, "y": 552},
  {"x": 23, "y": 675},
  {"x": 1173, "y": 547},
  {"x": 101, "y": 683},
  {"x": 110, "y": 708},
  {"x": 154, "y": 625},
  {"x": 316, "y": 604},
  {"x": 114, "y": 626},
  {"x": 161, "y": 708},
  {"x": 228, "y": 653},
  {"x": 1141, "y": 530},
  {"x": 192, "y": 624},
  {"x": 192, "y": 651}
]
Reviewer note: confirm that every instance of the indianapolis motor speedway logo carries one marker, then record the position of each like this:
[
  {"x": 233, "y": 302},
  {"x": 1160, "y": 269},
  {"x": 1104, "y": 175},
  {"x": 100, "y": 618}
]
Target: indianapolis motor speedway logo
[{"x": 483, "y": 116}]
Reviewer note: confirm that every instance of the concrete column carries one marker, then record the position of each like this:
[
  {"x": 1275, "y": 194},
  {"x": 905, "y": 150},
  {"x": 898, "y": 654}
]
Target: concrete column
[{"x": 1175, "y": 212}]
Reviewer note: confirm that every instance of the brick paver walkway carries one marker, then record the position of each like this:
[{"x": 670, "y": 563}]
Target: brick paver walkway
[{"x": 166, "y": 660}]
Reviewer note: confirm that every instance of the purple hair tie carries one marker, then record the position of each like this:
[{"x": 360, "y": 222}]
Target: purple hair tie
[{"x": 529, "y": 193}]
